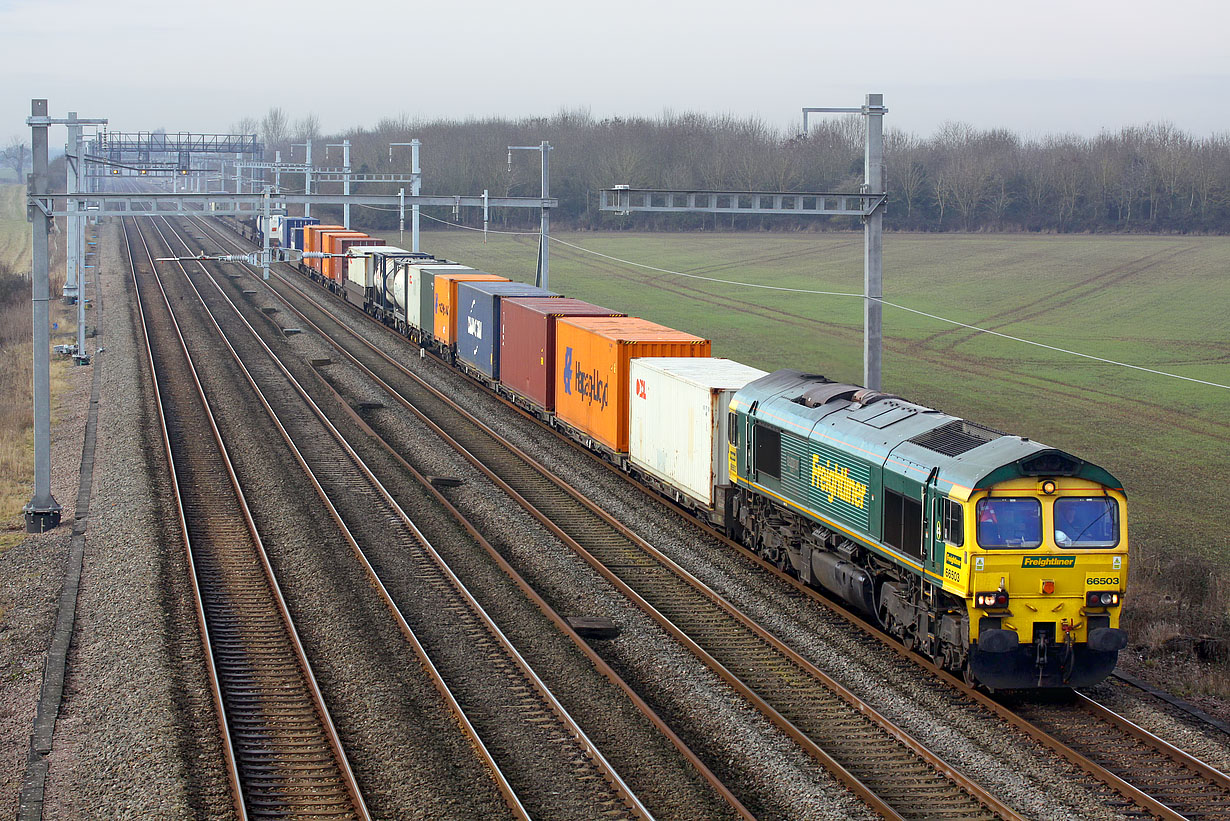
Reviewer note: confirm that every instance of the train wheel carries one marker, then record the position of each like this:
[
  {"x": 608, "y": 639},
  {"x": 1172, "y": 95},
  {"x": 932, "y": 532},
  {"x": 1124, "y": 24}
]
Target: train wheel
[{"x": 967, "y": 674}]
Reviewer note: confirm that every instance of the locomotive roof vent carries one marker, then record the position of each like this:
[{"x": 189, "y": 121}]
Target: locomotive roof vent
[
  {"x": 822, "y": 394},
  {"x": 955, "y": 437},
  {"x": 1051, "y": 463}
]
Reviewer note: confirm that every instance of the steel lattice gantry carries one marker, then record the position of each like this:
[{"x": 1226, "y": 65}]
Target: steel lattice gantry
[
  {"x": 624, "y": 200},
  {"x": 152, "y": 142}
]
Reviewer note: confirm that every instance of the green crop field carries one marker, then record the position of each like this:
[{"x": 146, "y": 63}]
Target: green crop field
[
  {"x": 14, "y": 230},
  {"x": 1156, "y": 302}
]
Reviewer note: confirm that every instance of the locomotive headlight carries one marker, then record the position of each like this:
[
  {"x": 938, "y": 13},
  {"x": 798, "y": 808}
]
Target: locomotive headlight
[
  {"x": 997, "y": 598},
  {"x": 1048, "y": 487}
]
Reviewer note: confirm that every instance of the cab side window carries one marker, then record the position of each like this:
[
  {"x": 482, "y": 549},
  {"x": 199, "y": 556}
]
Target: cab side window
[
  {"x": 954, "y": 523},
  {"x": 732, "y": 423}
]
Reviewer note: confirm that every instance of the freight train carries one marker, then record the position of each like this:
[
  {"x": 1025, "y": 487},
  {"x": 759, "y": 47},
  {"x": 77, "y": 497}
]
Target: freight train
[{"x": 1000, "y": 559}]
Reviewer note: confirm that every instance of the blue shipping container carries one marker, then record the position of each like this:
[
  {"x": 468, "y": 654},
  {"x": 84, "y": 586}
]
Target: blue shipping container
[
  {"x": 478, "y": 320},
  {"x": 293, "y": 230}
]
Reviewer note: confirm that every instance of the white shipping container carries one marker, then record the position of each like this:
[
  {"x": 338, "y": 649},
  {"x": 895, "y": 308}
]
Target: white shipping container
[
  {"x": 677, "y": 423},
  {"x": 404, "y": 285},
  {"x": 361, "y": 267}
]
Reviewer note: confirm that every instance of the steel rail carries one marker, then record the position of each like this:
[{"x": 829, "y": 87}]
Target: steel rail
[
  {"x": 1092, "y": 768},
  {"x": 251, "y": 761},
  {"x": 819, "y": 753},
  {"x": 559, "y": 621},
  {"x": 608, "y": 772}
]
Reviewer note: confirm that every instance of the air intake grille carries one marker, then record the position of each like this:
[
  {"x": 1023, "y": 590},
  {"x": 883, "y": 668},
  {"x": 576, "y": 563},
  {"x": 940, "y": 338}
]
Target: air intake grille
[{"x": 955, "y": 438}]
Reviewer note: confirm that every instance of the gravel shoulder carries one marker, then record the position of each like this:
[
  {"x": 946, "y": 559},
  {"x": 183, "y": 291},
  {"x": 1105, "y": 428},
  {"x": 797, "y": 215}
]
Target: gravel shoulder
[
  {"x": 137, "y": 734},
  {"x": 31, "y": 576}
]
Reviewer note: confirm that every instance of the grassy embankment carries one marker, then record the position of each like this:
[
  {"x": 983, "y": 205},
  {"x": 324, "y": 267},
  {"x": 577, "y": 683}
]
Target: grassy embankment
[
  {"x": 1157, "y": 302},
  {"x": 16, "y": 419}
]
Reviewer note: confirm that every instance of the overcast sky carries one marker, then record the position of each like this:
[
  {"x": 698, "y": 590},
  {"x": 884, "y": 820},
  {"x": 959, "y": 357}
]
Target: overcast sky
[{"x": 1036, "y": 67}]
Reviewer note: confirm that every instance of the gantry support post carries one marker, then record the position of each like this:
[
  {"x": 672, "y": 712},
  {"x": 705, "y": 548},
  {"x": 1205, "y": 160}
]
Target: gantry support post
[
  {"x": 544, "y": 229},
  {"x": 873, "y": 245},
  {"x": 415, "y": 188},
  {"x": 42, "y": 512},
  {"x": 72, "y": 273}
]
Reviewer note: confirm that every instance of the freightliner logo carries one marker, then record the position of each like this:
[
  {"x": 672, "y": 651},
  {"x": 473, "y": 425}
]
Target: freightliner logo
[{"x": 1049, "y": 561}]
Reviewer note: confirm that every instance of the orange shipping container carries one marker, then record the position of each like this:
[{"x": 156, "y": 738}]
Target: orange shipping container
[
  {"x": 592, "y": 356},
  {"x": 335, "y": 269},
  {"x": 445, "y": 323},
  {"x": 311, "y": 240},
  {"x": 325, "y": 266}
]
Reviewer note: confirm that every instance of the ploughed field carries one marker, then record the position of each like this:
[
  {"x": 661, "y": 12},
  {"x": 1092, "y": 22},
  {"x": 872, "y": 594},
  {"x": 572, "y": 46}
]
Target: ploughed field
[{"x": 1158, "y": 302}]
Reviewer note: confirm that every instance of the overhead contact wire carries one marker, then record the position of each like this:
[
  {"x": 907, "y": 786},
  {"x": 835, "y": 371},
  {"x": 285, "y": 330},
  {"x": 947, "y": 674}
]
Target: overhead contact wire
[{"x": 882, "y": 301}]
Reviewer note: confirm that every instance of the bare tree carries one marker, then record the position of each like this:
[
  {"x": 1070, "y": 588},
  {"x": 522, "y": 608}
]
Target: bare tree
[
  {"x": 275, "y": 128},
  {"x": 245, "y": 125},
  {"x": 307, "y": 129},
  {"x": 17, "y": 157}
]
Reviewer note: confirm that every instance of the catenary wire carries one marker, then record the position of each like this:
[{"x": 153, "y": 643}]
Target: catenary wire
[{"x": 882, "y": 301}]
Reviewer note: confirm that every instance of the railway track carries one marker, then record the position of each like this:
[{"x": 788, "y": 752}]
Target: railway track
[
  {"x": 283, "y": 753},
  {"x": 1153, "y": 776},
  {"x": 518, "y": 726},
  {"x": 1177, "y": 784},
  {"x": 897, "y": 776}
]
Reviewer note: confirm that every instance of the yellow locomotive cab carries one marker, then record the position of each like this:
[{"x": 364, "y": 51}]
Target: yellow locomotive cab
[{"x": 1045, "y": 576}]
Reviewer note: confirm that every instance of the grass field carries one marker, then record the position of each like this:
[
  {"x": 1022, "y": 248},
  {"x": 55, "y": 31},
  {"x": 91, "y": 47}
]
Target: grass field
[
  {"x": 14, "y": 230},
  {"x": 1157, "y": 302}
]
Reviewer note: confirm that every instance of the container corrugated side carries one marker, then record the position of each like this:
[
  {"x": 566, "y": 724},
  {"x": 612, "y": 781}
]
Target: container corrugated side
[
  {"x": 339, "y": 243},
  {"x": 478, "y": 320},
  {"x": 592, "y": 356},
  {"x": 444, "y": 326},
  {"x": 311, "y": 241},
  {"x": 527, "y": 343},
  {"x": 348, "y": 246},
  {"x": 294, "y": 230},
  {"x": 678, "y": 419},
  {"x": 421, "y": 291},
  {"x": 324, "y": 242}
]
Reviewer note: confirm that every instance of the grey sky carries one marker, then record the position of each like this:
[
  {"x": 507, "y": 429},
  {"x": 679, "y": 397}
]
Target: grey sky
[{"x": 1036, "y": 67}]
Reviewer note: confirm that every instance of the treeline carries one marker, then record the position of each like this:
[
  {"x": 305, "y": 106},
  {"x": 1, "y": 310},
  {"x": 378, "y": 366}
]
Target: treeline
[{"x": 1152, "y": 178}]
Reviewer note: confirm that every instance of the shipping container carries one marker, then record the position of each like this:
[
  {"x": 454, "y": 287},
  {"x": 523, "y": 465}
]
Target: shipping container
[
  {"x": 311, "y": 241},
  {"x": 277, "y": 233},
  {"x": 329, "y": 243},
  {"x": 678, "y": 420},
  {"x": 348, "y": 245},
  {"x": 294, "y": 230},
  {"x": 361, "y": 268},
  {"x": 527, "y": 343},
  {"x": 478, "y": 320},
  {"x": 592, "y": 356},
  {"x": 419, "y": 293},
  {"x": 444, "y": 326}
]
